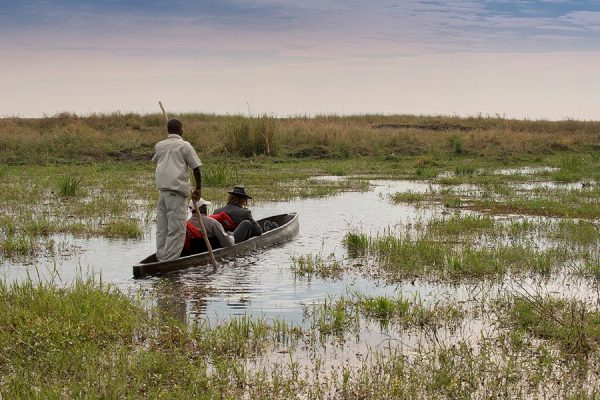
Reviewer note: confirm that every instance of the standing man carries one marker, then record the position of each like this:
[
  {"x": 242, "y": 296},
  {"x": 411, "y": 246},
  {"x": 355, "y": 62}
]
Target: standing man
[{"x": 173, "y": 157}]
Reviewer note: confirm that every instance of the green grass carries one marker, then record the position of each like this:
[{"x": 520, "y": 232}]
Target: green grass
[
  {"x": 14, "y": 246},
  {"x": 342, "y": 316},
  {"x": 405, "y": 313},
  {"x": 458, "y": 225},
  {"x": 220, "y": 175},
  {"x": 333, "y": 317},
  {"x": 87, "y": 339},
  {"x": 323, "y": 267},
  {"x": 570, "y": 323},
  {"x": 119, "y": 199},
  {"x": 404, "y": 257},
  {"x": 123, "y": 229},
  {"x": 356, "y": 243},
  {"x": 409, "y": 197},
  {"x": 68, "y": 186}
]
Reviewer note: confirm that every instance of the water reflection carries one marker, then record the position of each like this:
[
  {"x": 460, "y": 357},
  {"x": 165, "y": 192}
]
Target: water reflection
[{"x": 262, "y": 284}]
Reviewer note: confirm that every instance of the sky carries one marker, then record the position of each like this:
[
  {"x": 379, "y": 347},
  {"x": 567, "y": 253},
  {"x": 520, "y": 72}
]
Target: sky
[{"x": 517, "y": 59}]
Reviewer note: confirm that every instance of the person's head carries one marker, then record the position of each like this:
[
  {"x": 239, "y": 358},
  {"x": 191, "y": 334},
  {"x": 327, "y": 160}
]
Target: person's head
[
  {"x": 175, "y": 126},
  {"x": 202, "y": 206},
  {"x": 238, "y": 196}
]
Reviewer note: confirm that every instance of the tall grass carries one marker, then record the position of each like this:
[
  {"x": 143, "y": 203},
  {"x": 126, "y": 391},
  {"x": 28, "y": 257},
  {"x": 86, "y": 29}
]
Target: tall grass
[
  {"x": 118, "y": 136},
  {"x": 68, "y": 186},
  {"x": 249, "y": 137},
  {"x": 221, "y": 175}
]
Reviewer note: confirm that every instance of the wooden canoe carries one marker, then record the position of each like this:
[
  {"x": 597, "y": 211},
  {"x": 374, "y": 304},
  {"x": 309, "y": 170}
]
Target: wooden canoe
[{"x": 288, "y": 228}]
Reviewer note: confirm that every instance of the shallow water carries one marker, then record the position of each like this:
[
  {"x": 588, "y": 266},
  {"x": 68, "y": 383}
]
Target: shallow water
[
  {"x": 259, "y": 284},
  {"x": 262, "y": 283}
]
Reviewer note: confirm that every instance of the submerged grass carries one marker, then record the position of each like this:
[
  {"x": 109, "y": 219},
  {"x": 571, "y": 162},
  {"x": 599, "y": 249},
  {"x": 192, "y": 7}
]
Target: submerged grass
[
  {"x": 405, "y": 257},
  {"x": 570, "y": 323},
  {"x": 406, "y": 313},
  {"x": 323, "y": 267},
  {"x": 90, "y": 338},
  {"x": 342, "y": 316},
  {"x": 87, "y": 337}
]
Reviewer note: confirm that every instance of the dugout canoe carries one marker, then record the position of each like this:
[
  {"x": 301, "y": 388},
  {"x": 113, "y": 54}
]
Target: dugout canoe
[{"x": 287, "y": 230}]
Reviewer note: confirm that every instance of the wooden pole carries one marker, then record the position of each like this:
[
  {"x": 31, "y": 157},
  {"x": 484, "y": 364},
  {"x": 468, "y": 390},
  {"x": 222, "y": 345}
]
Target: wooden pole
[
  {"x": 202, "y": 228},
  {"x": 205, "y": 235}
]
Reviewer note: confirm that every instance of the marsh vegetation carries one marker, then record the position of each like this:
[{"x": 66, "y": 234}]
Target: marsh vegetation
[{"x": 478, "y": 279}]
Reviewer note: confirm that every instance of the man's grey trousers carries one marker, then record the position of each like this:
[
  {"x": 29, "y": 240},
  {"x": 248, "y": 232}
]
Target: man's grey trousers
[{"x": 170, "y": 225}]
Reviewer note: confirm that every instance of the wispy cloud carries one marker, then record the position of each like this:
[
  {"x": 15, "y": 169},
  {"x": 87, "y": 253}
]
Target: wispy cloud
[{"x": 322, "y": 27}]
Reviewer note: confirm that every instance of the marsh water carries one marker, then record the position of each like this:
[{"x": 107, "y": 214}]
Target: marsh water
[
  {"x": 263, "y": 284},
  {"x": 260, "y": 283}
]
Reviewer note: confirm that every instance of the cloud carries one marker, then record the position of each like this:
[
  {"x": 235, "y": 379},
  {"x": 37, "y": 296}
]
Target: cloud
[{"x": 312, "y": 29}]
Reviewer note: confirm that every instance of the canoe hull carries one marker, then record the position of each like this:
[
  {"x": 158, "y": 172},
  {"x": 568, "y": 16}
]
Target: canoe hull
[{"x": 288, "y": 229}]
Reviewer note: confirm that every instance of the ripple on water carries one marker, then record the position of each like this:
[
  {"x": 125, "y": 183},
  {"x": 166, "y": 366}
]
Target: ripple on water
[{"x": 262, "y": 284}]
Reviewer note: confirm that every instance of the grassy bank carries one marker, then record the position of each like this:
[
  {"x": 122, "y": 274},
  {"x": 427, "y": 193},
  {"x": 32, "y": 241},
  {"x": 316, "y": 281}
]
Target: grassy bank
[{"x": 66, "y": 137}]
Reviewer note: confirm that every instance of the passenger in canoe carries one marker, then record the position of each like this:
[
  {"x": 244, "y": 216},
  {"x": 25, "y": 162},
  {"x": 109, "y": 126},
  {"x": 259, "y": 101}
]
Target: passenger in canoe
[
  {"x": 194, "y": 241},
  {"x": 235, "y": 216},
  {"x": 173, "y": 157}
]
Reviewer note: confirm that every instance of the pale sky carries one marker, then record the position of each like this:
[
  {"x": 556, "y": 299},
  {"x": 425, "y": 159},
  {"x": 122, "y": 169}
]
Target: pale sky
[{"x": 525, "y": 59}]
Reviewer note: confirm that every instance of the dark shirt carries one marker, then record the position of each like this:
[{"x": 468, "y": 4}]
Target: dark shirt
[{"x": 239, "y": 214}]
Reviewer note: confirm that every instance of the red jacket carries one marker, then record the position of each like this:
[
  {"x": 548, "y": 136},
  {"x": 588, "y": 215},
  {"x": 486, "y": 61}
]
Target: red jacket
[
  {"x": 225, "y": 220},
  {"x": 190, "y": 233}
]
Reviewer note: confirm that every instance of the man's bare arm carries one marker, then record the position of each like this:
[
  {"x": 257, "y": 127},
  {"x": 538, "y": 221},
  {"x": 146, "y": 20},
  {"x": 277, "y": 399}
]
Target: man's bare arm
[{"x": 198, "y": 178}]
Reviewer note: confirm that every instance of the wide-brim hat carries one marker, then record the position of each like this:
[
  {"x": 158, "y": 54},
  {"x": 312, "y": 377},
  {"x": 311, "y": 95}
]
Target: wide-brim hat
[{"x": 239, "y": 191}]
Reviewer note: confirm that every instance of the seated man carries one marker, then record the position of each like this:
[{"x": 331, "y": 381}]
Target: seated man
[
  {"x": 194, "y": 241},
  {"x": 236, "y": 217}
]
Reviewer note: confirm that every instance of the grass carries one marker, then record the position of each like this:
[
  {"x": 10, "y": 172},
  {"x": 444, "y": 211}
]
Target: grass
[
  {"x": 323, "y": 267},
  {"x": 68, "y": 186},
  {"x": 119, "y": 199},
  {"x": 341, "y": 316},
  {"x": 409, "y": 197},
  {"x": 407, "y": 313},
  {"x": 123, "y": 229},
  {"x": 570, "y": 323},
  {"x": 402, "y": 258},
  {"x": 90, "y": 338},
  {"x": 333, "y": 317},
  {"x": 92, "y": 177},
  {"x": 576, "y": 203},
  {"x": 459, "y": 224},
  {"x": 220, "y": 175},
  {"x": 497, "y": 198},
  {"x": 356, "y": 243},
  {"x": 131, "y": 137},
  {"x": 87, "y": 337}
]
